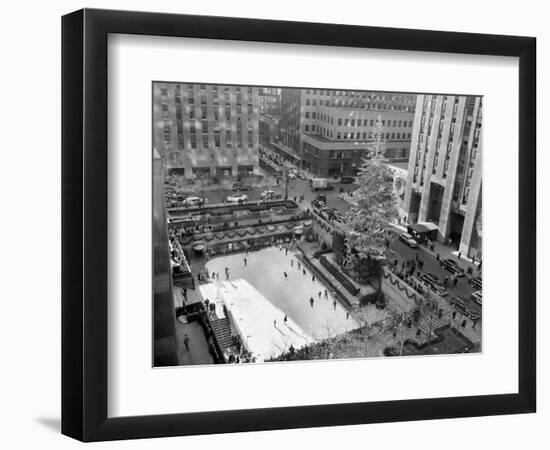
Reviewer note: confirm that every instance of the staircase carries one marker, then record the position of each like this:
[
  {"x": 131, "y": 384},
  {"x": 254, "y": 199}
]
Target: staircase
[
  {"x": 424, "y": 324},
  {"x": 222, "y": 331}
]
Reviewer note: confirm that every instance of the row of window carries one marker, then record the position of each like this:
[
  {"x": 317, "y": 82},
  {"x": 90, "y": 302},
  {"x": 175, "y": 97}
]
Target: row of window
[
  {"x": 358, "y": 135},
  {"x": 363, "y": 95},
  {"x": 191, "y": 87},
  {"x": 360, "y": 104},
  {"x": 191, "y": 142}
]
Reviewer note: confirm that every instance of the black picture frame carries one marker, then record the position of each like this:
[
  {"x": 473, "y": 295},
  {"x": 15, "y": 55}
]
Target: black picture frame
[{"x": 84, "y": 224}]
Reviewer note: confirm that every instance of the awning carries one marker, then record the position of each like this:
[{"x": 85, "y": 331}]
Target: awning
[
  {"x": 429, "y": 225},
  {"x": 419, "y": 228}
]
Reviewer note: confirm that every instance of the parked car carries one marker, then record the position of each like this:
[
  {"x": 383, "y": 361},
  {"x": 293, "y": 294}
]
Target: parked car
[
  {"x": 317, "y": 204},
  {"x": 475, "y": 282},
  {"x": 464, "y": 306},
  {"x": 347, "y": 180},
  {"x": 328, "y": 213},
  {"x": 270, "y": 195},
  {"x": 452, "y": 266},
  {"x": 458, "y": 302},
  {"x": 241, "y": 187},
  {"x": 408, "y": 239},
  {"x": 477, "y": 297},
  {"x": 433, "y": 283},
  {"x": 192, "y": 201},
  {"x": 237, "y": 198}
]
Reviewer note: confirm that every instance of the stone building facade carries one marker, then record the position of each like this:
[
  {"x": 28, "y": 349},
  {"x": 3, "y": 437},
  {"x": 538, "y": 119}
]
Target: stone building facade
[
  {"x": 331, "y": 129},
  {"x": 445, "y": 169},
  {"x": 206, "y": 130}
]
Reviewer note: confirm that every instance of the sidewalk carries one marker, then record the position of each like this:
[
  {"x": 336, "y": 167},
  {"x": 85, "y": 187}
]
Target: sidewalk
[
  {"x": 443, "y": 251},
  {"x": 198, "y": 352}
]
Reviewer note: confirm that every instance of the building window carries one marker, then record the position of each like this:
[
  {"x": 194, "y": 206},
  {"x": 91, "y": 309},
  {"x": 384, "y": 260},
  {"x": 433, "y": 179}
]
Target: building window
[
  {"x": 307, "y": 128},
  {"x": 307, "y": 114},
  {"x": 339, "y": 122}
]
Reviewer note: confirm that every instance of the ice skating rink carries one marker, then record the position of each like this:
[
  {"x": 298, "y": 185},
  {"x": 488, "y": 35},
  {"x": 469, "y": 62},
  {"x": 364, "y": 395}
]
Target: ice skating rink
[{"x": 280, "y": 295}]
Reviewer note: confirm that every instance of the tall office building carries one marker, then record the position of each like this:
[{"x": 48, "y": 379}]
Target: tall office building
[
  {"x": 330, "y": 130},
  {"x": 445, "y": 169},
  {"x": 206, "y": 130},
  {"x": 270, "y": 101}
]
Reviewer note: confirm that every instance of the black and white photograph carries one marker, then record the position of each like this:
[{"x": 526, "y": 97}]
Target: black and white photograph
[{"x": 295, "y": 224}]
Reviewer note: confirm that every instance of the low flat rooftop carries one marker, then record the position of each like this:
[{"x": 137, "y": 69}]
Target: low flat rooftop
[{"x": 404, "y": 165}]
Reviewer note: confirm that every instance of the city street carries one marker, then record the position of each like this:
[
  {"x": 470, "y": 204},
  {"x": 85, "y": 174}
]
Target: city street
[
  {"x": 296, "y": 188},
  {"x": 401, "y": 251}
]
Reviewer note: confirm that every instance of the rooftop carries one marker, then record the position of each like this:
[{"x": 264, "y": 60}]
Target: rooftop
[{"x": 404, "y": 165}]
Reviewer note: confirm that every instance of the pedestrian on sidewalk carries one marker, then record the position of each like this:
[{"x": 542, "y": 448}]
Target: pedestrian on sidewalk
[
  {"x": 186, "y": 342},
  {"x": 275, "y": 323},
  {"x": 285, "y": 319},
  {"x": 418, "y": 333},
  {"x": 455, "y": 281},
  {"x": 299, "y": 265},
  {"x": 313, "y": 278},
  {"x": 334, "y": 304},
  {"x": 291, "y": 263},
  {"x": 459, "y": 255},
  {"x": 304, "y": 272},
  {"x": 437, "y": 256},
  {"x": 326, "y": 294}
]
